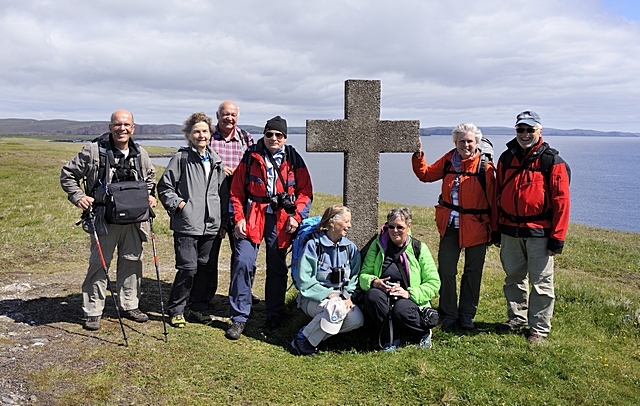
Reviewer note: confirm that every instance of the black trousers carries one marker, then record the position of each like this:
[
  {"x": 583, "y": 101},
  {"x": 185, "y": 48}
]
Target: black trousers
[
  {"x": 196, "y": 273},
  {"x": 404, "y": 312}
]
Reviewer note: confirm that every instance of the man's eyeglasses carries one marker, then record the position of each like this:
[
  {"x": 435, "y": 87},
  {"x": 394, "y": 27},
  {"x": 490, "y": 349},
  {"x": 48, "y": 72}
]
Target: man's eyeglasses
[
  {"x": 270, "y": 134},
  {"x": 530, "y": 130},
  {"x": 392, "y": 227}
]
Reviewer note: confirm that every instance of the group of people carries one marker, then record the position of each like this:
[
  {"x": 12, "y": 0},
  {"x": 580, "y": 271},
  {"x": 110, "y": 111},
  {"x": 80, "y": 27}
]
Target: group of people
[
  {"x": 225, "y": 184},
  {"x": 521, "y": 205}
]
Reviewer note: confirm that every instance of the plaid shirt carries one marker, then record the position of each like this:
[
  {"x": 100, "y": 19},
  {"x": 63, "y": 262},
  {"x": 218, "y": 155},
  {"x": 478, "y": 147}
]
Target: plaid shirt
[{"x": 230, "y": 151}]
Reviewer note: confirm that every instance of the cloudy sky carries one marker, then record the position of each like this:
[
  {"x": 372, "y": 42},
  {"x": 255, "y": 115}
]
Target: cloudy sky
[{"x": 575, "y": 62}]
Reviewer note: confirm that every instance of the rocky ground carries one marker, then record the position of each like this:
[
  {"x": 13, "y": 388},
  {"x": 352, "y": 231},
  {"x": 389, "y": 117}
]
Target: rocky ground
[
  {"x": 19, "y": 335},
  {"x": 41, "y": 327}
]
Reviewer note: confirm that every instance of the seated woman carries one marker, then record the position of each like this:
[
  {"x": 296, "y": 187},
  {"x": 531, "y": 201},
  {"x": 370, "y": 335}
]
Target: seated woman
[
  {"x": 464, "y": 220},
  {"x": 327, "y": 276},
  {"x": 399, "y": 284},
  {"x": 190, "y": 192}
]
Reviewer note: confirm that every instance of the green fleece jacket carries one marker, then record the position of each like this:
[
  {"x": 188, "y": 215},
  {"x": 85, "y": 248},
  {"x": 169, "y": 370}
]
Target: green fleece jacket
[{"x": 424, "y": 282}]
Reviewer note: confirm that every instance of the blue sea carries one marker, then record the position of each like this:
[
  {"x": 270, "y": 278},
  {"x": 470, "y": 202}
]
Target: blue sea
[{"x": 604, "y": 192}]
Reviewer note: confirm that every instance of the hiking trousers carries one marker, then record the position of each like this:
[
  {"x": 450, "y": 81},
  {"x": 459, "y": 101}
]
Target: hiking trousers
[
  {"x": 448, "y": 256},
  {"x": 526, "y": 262},
  {"x": 405, "y": 314},
  {"x": 127, "y": 240},
  {"x": 195, "y": 273},
  {"x": 243, "y": 267}
]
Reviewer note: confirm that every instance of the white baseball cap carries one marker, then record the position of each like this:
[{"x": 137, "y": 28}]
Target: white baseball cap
[{"x": 335, "y": 312}]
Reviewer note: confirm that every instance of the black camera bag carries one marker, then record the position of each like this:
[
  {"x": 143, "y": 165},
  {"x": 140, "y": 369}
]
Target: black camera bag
[
  {"x": 127, "y": 202},
  {"x": 428, "y": 317}
]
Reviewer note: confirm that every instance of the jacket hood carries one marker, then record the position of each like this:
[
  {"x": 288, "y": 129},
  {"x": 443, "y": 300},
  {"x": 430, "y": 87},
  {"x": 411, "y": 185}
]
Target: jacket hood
[{"x": 326, "y": 241}]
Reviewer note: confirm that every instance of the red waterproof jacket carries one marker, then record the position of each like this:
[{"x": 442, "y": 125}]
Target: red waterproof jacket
[
  {"x": 474, "y": 228},
  {"x": 294, "y": 173},
  {"x": 530, "y": 203}
]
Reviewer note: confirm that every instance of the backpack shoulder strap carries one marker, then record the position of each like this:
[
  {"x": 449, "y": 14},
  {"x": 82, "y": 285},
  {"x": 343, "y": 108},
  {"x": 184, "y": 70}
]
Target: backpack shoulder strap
[
  {"x": 447, "y": 166},
  {"x": 244, "y": 139},
  {"x": 106, "y": 158},
  {"x": 505, "y": 160},
  {"x": 184, "y": 157},
  {"x": 546, "y": 162},
  {"x": 417, "y": 246},
  {"x": 137, "y": 160},
  {"x": 367, "y": 246},
  {"x": 248, "y": 159},
  {"x": 482, "y": 168}
]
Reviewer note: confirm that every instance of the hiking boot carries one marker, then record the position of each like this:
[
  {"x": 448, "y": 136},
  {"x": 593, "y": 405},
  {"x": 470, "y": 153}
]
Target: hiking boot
[
  {"x": 536, "y": 339},
  {"x": 255, "y": 299},
  {"x": 448, "y": 322},
  {"x": 178, "y": 321},
  {"x": 236, "y": 329},
  {"x": 466, "y": 323},
  {"x": 509, "y": 326},
  {"x": 136, "y": 315},
  {"x": 193, "y": 316},
  {"x": 302, "y": 345},
  {"x": 273, "y": 323},
  {"x": 92, "y": 323},
  {"x": 425, "y": 342}
]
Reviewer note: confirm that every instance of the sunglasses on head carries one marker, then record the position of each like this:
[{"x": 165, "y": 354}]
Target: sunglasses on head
[
  {"x": 392, "y": 227},
  {"x": 530, "y": 130},
  {"x": 270, "y": 134}
]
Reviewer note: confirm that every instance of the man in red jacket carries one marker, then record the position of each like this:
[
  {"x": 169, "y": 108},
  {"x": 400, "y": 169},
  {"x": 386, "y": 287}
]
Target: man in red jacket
[
  {"x": 532, "y": 206},
  {"x": 271, "y": 194}
]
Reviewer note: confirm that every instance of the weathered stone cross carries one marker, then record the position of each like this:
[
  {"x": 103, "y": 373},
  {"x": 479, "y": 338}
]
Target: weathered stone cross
[{"x": 362, "y": 137}]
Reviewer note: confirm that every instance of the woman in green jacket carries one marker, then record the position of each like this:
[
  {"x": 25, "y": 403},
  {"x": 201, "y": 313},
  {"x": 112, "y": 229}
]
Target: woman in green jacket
[{"x": 398, "y": 283}]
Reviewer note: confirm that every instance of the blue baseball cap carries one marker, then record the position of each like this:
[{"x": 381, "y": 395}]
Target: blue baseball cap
[{"x": 529, "y": 118}]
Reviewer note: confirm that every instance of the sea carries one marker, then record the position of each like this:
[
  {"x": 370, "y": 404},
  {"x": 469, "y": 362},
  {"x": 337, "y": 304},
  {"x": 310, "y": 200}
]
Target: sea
[{"x": 604, "y": 192}]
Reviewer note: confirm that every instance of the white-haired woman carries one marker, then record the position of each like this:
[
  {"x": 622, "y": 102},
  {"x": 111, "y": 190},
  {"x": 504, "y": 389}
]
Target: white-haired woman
[
  {"x": 327, "y": 277},
  {"x": 463, "y": 217}
]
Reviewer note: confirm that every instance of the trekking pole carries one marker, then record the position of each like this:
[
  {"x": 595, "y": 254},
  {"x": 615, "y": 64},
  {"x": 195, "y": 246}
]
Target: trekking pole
[
  {"x": 155, "y": 260},
  {"x": 90, "y": 215}
]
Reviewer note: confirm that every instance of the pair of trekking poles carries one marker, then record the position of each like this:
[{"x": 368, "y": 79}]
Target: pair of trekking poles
[{"x": 90, "y": 215}]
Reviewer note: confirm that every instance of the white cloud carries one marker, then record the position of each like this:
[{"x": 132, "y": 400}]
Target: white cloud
[{"x": 442, "y": 62}]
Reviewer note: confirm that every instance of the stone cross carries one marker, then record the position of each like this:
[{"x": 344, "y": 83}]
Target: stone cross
[{"x": 362, "y": 136}]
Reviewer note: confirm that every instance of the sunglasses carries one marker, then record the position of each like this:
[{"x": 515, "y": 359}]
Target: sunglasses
[
  {"x": 530, "y": 130},
  {"x": 270, "y": 134},
  {"x": 392, "y": 227}
]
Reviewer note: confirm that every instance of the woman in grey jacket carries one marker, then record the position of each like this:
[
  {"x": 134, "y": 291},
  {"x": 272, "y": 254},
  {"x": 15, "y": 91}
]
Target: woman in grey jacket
[
  {"x": 328, "y": 274},
  {"x": 190, "y": 192}
]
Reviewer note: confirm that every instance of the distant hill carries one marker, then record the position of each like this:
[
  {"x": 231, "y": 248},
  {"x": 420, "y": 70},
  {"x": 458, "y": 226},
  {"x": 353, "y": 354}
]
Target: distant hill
[
  {"x": 547, "y": 131},
  {"x": 69, "y": 127},
  {"x": 16, "y": 126}
]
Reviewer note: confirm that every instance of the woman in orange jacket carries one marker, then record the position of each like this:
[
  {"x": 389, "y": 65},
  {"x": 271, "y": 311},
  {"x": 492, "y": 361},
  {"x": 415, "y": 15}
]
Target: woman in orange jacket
[{"x": 463, "y": 217}]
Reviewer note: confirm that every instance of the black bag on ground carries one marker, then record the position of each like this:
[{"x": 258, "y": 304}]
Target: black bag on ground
[
  {"x": 127, "y": 202},
  {"x": 428, "y": 317}
]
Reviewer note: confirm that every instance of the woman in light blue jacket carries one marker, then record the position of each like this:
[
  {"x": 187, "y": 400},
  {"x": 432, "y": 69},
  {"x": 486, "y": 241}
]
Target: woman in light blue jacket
[{"x": 328, "y": 275}]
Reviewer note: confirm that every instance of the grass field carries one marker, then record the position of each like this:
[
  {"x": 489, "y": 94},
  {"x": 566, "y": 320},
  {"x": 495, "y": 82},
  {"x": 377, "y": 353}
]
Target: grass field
[{"x": 592, "y": 356}]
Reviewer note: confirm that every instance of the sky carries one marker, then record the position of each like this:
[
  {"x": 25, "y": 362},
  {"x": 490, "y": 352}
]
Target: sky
[{"x": 443, "y": 62}]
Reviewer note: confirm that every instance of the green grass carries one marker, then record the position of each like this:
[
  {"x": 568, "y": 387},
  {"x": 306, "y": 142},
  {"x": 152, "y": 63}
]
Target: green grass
[{"x": 592, "y": 355}]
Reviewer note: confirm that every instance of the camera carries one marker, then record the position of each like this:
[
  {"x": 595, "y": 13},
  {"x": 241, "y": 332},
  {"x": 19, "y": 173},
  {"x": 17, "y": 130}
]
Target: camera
[
  {"x": 284, "y": 200},
  {"x": 337, "y": 275}
]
